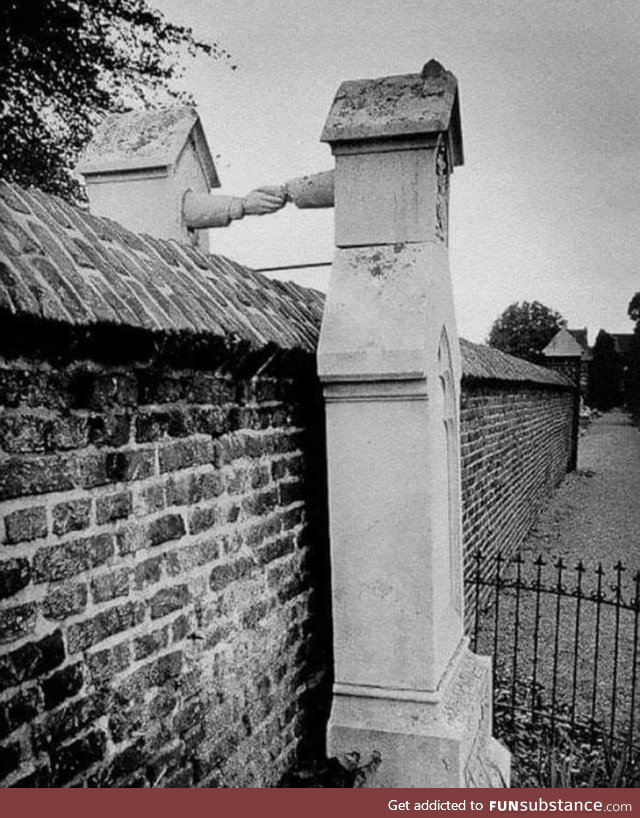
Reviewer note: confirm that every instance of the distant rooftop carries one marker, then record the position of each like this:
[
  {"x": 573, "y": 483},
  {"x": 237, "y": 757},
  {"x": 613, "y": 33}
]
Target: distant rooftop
[
  {"x": 581, "y": 336},
  {"x": 563, "y": 345}
]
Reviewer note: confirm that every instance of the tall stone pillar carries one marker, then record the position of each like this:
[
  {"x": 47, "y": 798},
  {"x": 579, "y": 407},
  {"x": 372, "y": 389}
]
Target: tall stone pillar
[{"x": 406, "y": 684}]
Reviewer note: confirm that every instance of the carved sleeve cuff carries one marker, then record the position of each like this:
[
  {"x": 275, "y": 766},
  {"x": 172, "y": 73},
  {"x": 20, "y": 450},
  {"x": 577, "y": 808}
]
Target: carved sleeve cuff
[{"x": 236, "y": 209}]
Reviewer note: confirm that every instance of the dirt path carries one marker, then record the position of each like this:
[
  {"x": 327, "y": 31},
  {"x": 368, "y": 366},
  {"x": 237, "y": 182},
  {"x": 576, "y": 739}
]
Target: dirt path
[{"x": 595, "y": 515}]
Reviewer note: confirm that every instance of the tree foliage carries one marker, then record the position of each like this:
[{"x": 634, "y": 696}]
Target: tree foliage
[
  {"x": 64, "y": 64},
  {"x": 524, "y": 329},
  {"x": 604, "y": 374},
  {"x": 632, "y": 385},
  {"x": 633, "y": 311}
]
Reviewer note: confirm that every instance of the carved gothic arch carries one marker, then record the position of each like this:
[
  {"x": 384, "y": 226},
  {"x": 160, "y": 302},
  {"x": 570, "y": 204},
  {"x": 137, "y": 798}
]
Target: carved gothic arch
[{"x": 449, "y": 408}]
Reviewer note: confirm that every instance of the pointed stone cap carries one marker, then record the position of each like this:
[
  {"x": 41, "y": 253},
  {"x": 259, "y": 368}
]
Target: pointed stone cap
[
  {"x": 399, "y": 106},
  {"x": 563, "y": 345},
  {"x": 147, "y": 140}
]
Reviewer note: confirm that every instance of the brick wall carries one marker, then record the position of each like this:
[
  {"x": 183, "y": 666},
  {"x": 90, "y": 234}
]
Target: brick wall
[
  {"x": 164, "y": 615},
  {"x": 161, "y": 532},
  {"x": 516, "y": 427}
]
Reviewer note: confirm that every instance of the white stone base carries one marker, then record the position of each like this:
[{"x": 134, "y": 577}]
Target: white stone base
[{"x": 426, "y": 739}]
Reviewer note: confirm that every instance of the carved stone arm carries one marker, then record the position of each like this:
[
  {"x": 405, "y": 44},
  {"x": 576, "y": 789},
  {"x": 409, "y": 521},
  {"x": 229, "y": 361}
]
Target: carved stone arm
[
  {"x": 315, "y": 190},
  {"x": 204, "y": 210}
]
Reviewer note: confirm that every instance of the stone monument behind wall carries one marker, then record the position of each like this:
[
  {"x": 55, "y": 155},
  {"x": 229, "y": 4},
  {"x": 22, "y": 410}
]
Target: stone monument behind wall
[
  {"x": 140, "y": 164},
  {"x": 406, "y": 684}
]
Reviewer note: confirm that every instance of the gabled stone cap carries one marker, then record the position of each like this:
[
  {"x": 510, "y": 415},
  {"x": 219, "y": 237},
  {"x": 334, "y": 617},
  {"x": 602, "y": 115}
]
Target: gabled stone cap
[
  {"x": 144, "y": 140},
  {"x": 563, "y": 345},
  {"x": 61, "y": 264},
  {"x": 398, "y": 106}
]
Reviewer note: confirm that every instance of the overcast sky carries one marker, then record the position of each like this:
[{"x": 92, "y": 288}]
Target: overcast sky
[{"x": 547, "y": 204}]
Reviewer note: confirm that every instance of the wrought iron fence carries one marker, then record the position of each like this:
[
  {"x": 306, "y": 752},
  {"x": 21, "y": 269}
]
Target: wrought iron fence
[{"x": 565, "y": 645}]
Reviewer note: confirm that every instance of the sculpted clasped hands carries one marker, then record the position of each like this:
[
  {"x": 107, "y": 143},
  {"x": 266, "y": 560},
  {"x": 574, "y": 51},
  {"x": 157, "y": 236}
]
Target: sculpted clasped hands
[
  {"x": 204, "y": 210},
  {"x": 315, "y": 190},
  {"x": 265, "y": 199}
]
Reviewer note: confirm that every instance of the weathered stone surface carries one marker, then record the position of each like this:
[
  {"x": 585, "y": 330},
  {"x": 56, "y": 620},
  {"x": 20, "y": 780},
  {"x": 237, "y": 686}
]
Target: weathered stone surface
[
  {"x": 403, "y": 105},
  {"x": 22, "y": 476},
  {"x": 15, "y": 575},
  {"x": 150, "y": 643},
  {"x": 61, "y": 685},
  {"x": 111, "y": 585},
  {"x": 17, "y": 621},
  {"x": 18, "y": 710},
  {"x": 57, "y": 562},
  {"x": 72, "y": 515},
  {"x": 222, "y": 575},
  {"x": 114, "y": 620},
  {"x": 114, "y": 507},
  {"x": 23, "y": 433},
  {"x": 64, "y": 601},
  {"x": 26, "y": 524},
  {"x": 148, "y": 572},
  {"x": 168, "y": 600},
  {"x": 31, "y": 660},
  {"x": 104, "y": 664},
  {"x": 72, "y": 759},
  {"x": 9, "y": 758},
  {"x": 164, "y": 529}
]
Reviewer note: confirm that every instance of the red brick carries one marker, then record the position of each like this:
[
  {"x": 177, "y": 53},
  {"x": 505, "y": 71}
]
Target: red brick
[
  {"x": 113, "y": 507},
  {"x": 22, "y": 476},
  {"x": 72, "y": 759},
  {"x": 66, "y": 433},
  {"x": 65, "y": 601},
  {"x": 111, "y": 585},
  {"x": 83, "y": 635},
  {"x": 203, "y": 518},
  {"x": 15, "y": 575},
  {"x": 61, "y": 685},
  {"x": 148, "y": 572},
  {"x": 57, "y": 562},
  {"x": 23, "y": 433},
  {"x": 103, "y": 391},
  {"x": 112, "y": 429},
  {"x": 104, "y": 664},
  {"x": 276, "y": 549},
  {"x": 26, "y": 524},
  {"x": 150, "y": 643},
  {"x": 187, "y": 557},
  {"x": 18, "y": 710},
  {"x": 17, "y": 621},
  {"x": 72, "y": 515},
  {"x": 168, "y": 600},
  {"x": 9, "y": 758},
  {"x": 155, "y": 424},
  {"x": 185, "y": 453},
  {"x": 164, "y": 529},
  {"x": 31, "y": 660},
  {"x": 223, "y": 575}
]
